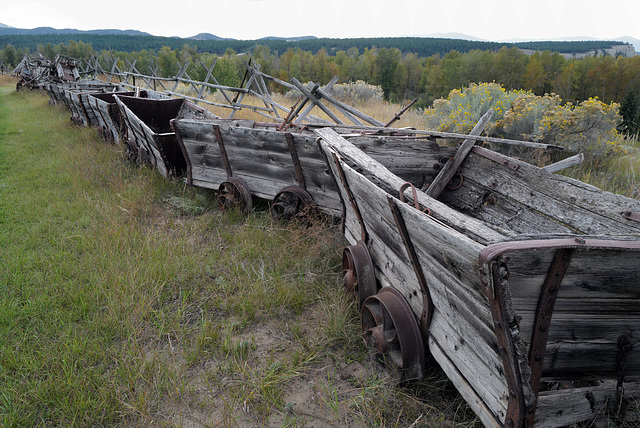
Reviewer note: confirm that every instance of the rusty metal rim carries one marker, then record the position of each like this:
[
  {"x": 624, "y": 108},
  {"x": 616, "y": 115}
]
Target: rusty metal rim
[
  {"x": 234, "y": 192},
  {"x": 390, "y": 327},
  {"x": 358, "y": 272},
  {"x": 282, "y": 205}
]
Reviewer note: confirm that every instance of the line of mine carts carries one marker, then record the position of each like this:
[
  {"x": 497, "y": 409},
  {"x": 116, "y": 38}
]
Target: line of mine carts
[{"x": 522, "y": 284}]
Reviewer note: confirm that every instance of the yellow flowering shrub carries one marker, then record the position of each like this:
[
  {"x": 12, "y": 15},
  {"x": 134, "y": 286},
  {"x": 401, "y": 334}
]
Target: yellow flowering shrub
[
  {"x": 463, "y": 108},
  {"x": 589, "y": 127}
]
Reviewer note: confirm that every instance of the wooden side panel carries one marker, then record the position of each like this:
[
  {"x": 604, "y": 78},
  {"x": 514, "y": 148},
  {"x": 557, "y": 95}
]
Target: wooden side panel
[
  {"x": 532, "y": 200},
  {"x": 461, "y": 330},
  {"x": 415, "y": 161},
  {"x": 136, "y": 134},
  {"x": 598, "y": 301},
  {"x": 75, "y": 106},
  {"x": 260, "y": 157},
  {"x": 108, "y": 116},
  {"x": 565, "y": 407}
]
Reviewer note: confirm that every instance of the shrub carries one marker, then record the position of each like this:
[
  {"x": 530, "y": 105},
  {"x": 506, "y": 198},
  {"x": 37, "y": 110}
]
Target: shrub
[
  {"x": 589, "y": 127},
  {"x": 464, "y": 107},
  {"x": 350, "y": 93}
]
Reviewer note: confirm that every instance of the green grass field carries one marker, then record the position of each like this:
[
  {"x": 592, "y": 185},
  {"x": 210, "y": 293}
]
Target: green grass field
[{"x": 130, "y": 300}]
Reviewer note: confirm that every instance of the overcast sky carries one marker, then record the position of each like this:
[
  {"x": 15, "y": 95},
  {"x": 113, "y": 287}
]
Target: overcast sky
[{"x": 251, "y": 19}]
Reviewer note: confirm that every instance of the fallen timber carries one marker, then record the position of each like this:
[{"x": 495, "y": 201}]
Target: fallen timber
[
  {"x": 511, "y": 278},
  {"x": 150, "y": 139}
]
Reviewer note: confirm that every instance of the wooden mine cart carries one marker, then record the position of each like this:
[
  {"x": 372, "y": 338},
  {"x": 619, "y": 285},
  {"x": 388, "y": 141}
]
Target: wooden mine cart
[
  {"x": 513, "y": 279},
  {"x": 150, "y": 138}
]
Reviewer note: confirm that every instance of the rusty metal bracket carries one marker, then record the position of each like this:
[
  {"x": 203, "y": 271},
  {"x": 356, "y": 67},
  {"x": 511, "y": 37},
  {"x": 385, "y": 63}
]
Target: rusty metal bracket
[
  {"x": 414, "y": 193},
  {"x": 624, "y": 345},
  {"x": 223, "y": 151},
  {"x": 427, "y": 308},
  {"x": 503, "y": 322},
  {"x": 488, "y": 154},
  {"x": 296, "y": 161},
  {"x": 352, "y": 200},
  {"x": 542, "y": 321},
  {"x": 635, "y": 216}
]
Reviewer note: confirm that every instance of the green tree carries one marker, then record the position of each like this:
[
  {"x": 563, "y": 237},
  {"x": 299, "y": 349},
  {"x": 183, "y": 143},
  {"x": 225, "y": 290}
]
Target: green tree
[
  {"x": 385, "y": 66},
  {"x": 9, "y": 56},
  {"x": 167, "y": 62}
]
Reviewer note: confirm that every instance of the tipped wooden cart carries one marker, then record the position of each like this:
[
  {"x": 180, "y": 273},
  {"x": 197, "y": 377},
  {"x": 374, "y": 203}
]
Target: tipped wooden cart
[
  {"x": 150, "y": 139},
  {"x": 521, "y": 284}
]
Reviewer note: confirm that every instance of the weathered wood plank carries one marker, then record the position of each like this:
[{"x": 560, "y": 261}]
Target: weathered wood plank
[
  {"x": 451, "y": 167},
  {"x": 560, "y": 204},
  {"x": 477, "y": 230},
  {"x": 564, "y": 407}
]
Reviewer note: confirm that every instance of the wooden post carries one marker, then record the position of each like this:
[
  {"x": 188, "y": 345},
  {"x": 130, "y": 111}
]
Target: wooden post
[
  {"x": 451, "y": 167},
  {"x": 565, "y": 163},
  {"x": 315, "y": 100}
]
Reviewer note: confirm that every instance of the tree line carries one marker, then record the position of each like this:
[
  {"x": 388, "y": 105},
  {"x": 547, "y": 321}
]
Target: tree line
[{"x": 401, "y": 75}]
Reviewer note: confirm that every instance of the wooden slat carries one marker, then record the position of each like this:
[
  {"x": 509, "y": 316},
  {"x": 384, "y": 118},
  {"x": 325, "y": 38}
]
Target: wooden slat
[{"x": 450, "y": 169}]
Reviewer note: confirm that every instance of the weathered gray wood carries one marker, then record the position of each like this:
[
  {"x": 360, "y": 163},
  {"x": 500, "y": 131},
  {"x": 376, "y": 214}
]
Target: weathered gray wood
[
  {"x": 461, "y": 319},
  {"x": 315, "y": 100},
  {"x": 450, "y": 169},
  {"x": 532, "y": 200},
  {"x": 409, "y": 132},
  {"x": 149, "y": 122},
  {"x": 259, "y": 156},
  {"x": 307, "y": 110},
  {"x": 349, "y": 109},
  {"x": 565, "y": 163},
  {"x": 478, "y": 230},
  {"x": 568, "y": 406},
  {"x": 598, "y": 299},
  {"x": 417, "y": 162}
]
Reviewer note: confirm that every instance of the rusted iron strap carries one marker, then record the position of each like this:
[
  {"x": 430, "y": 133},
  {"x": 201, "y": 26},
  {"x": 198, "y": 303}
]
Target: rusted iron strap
[
  {"x": 542, "y": 321},
  {"x": 427, "y": 309},
  {"x": 414, "y": 192},
  {"x": 502, "y": 160},
  {"x": 296, "y": 161},
  {"x": 516, "y": 408},
  {"x": 352, "y": 199},
  {"x": 416, "y": 204},
  {"x": 223, "y": 151},
  {"x": 635, "y": 216},
  {"x": 492, "y": 251}
]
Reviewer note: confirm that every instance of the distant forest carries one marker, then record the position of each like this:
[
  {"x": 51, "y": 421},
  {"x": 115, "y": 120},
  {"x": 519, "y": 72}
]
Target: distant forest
[
  {"x": 405, "y": 68},
  {"x": 421, "y": 46}
]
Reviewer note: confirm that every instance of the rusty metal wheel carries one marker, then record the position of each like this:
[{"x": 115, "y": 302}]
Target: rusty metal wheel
[
  {"x": 358, "y": 272},
  {"x": 292, "y": 202},
  {"x": 105, "y": 133},
  {"x": 232, "y": 193},
  {"x": 391, "y": 329}
]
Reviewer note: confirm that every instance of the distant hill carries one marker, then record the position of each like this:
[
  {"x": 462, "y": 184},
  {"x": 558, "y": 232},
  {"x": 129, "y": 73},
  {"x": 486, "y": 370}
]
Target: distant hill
[
  {"x": 289, "y": 39},
  {"x": 634, "y": 42},
  {"x": 457, "y": 36},
  {"x": 206, "y": 36},
  {"x": 133, "y": 40},
  {"x": 6, "y": 30}
]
